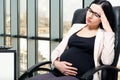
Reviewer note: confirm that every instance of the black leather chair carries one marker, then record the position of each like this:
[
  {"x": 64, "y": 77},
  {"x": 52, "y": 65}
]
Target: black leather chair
[{"x": 109, "y": 72}]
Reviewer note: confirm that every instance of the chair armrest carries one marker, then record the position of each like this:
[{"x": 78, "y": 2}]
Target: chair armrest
[
  {"x": 89, "y": 73},
  {"x": 34, "y": 68}
]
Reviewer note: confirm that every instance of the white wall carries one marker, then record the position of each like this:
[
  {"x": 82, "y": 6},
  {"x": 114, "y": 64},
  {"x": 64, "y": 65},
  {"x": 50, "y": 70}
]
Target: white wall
[{"x": 115, "y": 2}]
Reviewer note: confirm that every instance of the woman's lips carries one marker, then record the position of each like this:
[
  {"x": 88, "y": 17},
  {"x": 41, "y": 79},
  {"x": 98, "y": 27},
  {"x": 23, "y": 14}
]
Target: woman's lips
[{"x": 88, "y": 20}]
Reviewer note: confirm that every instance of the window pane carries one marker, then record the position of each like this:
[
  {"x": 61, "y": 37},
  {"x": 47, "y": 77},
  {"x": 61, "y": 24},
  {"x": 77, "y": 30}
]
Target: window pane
[
  {"x": 23, "y": 23},
  {"x": 7, "y": 23},
  {"x": 23, "y": 55},
  {"x": 43, "y": 18},
  {"x": 43, "y": 50},
  {"x": 7, "y": 16},
  {"x": 68, "y": 10}
]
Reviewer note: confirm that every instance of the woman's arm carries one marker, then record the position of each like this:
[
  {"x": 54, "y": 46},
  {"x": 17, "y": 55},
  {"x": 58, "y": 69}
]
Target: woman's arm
[
  {"x": 109, "y": 40},
  {"x": 107, "y": 56}
]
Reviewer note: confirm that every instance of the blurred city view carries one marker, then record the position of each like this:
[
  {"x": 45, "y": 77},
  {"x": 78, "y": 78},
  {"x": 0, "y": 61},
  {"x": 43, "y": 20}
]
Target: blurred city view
[{"x": 43, "y": 30}]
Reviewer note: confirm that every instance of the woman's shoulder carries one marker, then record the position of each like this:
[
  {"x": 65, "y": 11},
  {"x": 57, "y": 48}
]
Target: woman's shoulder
[
  {"x": 79, "y": 25},
  {"x": 101, "y": 31},
  {"x": 104, "y": 31}
]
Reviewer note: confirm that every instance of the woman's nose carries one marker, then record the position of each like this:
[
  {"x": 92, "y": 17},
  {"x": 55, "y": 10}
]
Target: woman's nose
[{"x": 91, "y": 15}]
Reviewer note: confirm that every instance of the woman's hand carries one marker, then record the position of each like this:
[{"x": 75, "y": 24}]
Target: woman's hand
[
  {"x": 105, "y": 23},
  {"x": 65, "y": 67}
]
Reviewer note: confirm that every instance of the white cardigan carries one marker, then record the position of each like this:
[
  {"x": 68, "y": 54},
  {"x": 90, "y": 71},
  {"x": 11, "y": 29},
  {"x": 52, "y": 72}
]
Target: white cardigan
[{"x": 103, "y": 47}]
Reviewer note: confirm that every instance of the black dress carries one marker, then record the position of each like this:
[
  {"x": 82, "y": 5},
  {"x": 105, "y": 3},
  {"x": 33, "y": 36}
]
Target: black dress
[{"x": 79, "y": 53}]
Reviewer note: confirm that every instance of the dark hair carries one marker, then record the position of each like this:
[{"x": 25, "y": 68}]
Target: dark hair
[{"x": 108, "y": 10}]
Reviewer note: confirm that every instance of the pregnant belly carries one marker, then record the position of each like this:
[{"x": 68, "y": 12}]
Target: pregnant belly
[{"x": 79, "y": 59}]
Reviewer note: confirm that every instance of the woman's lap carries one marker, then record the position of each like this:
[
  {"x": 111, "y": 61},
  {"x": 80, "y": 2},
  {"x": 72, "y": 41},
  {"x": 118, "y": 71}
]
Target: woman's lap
[
  {"x": 63, "y": 78},
  {"x": 42, "y": 77},
  {"x": 50, "y": 76}
]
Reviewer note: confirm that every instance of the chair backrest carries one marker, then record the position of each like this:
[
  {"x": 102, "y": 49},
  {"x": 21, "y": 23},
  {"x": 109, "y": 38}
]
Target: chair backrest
[
  {"x": 79, "y": 17},
  {"x": 117, "y": 34}
]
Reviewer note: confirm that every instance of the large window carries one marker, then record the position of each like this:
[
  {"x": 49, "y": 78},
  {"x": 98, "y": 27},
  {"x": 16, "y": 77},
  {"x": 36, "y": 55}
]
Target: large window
[
  {"x": 40, "y": 30},
  {"x": 25, "y": 27}
]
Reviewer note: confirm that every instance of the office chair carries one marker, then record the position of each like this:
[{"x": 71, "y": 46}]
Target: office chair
[{"x": 109, "y": 72}]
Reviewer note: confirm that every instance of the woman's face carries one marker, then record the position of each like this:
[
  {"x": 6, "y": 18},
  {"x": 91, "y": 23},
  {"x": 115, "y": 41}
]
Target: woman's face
[{"x": 93, "y": 15}]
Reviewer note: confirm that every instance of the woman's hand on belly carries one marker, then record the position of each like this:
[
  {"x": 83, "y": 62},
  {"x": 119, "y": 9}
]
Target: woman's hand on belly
[{"x": 65, "y": 67}]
